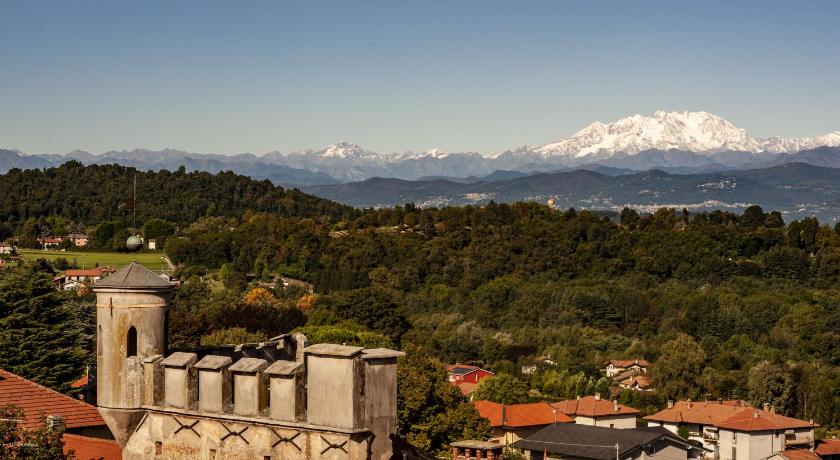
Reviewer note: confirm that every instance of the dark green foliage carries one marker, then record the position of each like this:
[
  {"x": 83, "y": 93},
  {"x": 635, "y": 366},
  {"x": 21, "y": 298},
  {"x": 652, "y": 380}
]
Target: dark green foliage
[
  {"x": 431, "y": 412},
  {"x": 94, "y": 194},
  {"x": 43, "y": 336},
  {"x": 502, "y": 388}
]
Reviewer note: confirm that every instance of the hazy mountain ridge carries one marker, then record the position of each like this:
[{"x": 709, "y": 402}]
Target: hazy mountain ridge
[
  {"x": 676, "y": 141},
  {"x": 796, "y": 189}
]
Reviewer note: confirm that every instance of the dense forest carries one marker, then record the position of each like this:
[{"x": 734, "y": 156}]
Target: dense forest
[
  {"x": 724, "y": 305},
  {"x": 731, "y": 306},
  {"x": 90, "y": 195}
]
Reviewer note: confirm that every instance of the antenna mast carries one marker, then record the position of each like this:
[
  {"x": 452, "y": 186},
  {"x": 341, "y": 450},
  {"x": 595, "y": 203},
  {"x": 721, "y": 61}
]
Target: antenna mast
[{"x": 134, "y": 208}]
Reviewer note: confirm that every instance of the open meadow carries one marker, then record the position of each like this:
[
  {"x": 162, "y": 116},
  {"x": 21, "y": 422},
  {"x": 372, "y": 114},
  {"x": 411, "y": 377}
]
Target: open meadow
[{"x": 88, "y": 259}]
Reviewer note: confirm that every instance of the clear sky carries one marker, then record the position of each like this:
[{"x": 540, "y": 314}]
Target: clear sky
[{"x": 231, "y": 77}]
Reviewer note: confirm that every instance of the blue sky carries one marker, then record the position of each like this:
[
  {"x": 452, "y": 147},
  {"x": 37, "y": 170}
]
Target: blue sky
[{"x": 231, "y": 77}]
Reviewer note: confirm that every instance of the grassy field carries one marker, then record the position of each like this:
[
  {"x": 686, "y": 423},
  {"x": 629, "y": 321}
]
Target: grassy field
[{"x": 151, "y": 260}]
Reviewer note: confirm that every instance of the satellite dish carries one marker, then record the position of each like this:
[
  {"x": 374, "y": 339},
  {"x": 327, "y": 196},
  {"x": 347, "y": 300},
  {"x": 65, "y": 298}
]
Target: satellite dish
[{"x": 133, "y": 243}]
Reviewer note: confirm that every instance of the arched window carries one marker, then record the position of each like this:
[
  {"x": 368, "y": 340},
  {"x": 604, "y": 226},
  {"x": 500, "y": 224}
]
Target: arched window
[
  {"x": 131, "y": 346},
  {"x": 99, "y": 342}
]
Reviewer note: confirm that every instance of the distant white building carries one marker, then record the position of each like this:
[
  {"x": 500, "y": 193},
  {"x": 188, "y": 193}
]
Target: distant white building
[
  {"x": 734, "y": 430},
  {"x": 152, "y": 245},
  {"x": 7, "y": 249}
]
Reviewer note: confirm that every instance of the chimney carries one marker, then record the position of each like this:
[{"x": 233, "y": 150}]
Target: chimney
[
  {"x": 766, "y": 407},
  {"x": 670, "y": 404},
  {"x": 755, "y": 414},
  {"x": 578, "y": 397},
  {"x": 772, "y": 409},
  {"x": 615, "y": 405},
  {"x": 597, "y": 396},
  {"x": 720, "y": 401},
  {"x": 55, "y": 423},
  {"x": 689, "y": 404}
]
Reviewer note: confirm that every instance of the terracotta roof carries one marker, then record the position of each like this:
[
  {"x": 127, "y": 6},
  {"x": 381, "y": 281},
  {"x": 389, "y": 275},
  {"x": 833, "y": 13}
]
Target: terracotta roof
[
  {"x": 828, "y": 447},
  {"x": 82, "y": 382},
  {"x": 642, "y": 380},
  {"x": 133, "y": 276},
  {"x": 36, "y": 400},
  {"x": 628, "y": 362},
  {"x": 735, "y": 415},
  {"x": 520, "y": 415},
  {"x": 87, "y": 448},
  {"x": 759, "y": 420},
  {"x": 87, "y": 272},
  {"x": 799, "y": 454},
  {"x": 592, "y": 407}
]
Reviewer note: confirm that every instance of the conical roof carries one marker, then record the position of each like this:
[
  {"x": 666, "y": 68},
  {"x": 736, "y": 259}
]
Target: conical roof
[{"x": 133, "y": 276}]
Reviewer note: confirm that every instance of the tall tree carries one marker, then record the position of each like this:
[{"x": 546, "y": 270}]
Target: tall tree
[
  {"x": 40, "y": 337},
  {"x": 432, "y": 412},
  {"x": 677, "y": 370}
]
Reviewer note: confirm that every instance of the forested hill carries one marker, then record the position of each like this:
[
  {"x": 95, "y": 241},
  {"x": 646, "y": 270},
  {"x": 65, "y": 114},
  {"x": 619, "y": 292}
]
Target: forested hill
[{"x": 92, "y": 194}]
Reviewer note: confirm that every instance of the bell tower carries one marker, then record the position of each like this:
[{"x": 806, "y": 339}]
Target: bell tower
[{"x": 131, "y": 307}]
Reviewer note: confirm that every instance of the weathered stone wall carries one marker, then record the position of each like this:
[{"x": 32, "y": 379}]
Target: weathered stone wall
[{"x": 175, "y": 435}]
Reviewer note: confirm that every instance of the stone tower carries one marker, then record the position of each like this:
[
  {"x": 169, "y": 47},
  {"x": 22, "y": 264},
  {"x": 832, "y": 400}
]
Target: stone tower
[{"x": 131, "y": 308}]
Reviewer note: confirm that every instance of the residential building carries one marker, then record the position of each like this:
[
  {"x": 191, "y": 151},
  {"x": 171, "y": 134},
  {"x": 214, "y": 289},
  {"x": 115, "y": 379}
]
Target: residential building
[
  {"x": 281, "y": 399},
  {"x": 594, "y": 411},
  {"x": 513, "y": 422},
  {"x": 8, "y": 249},
  {"x": 85, "y": 430},
  {"x": 734, "y": 430},
  {"x": 586, "y": 442},
  {"x": 615, "y": 367},
  {"x": 461, "y": 373},
  {"x": 50, "y": 242},
  {"x": 637, "y": 383},
  {"x": 152, "y": 245},
  {"x": 78, "y": 239},
  {"x": 828, "y": 449},
  {"x": 73, "y": 279}
]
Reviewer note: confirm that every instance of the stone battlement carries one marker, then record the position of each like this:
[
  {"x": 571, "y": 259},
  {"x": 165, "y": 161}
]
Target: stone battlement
[{"x": 344, "y": 391}]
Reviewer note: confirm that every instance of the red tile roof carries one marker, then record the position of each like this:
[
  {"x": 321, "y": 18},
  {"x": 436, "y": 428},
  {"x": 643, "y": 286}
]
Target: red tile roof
[
  {"x": 799, "y": 454},
  {"x": 84, "y": 272},
  {"x": 592, "y": 407},
  {"x": 734, "y": 415},
  {"x": 36, "y": 400},
  {"x": 828, "y": 447},
  {"x": 520, "y": 415},
  {"x": 82, "y": 382},
  {"x": 87, "y": 448}
]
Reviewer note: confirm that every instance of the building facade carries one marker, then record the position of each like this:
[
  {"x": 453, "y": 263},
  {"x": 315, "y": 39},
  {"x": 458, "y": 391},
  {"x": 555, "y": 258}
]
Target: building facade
[
  {"x": 734, "y": 430},
  {"x": 292, "y": 402}
]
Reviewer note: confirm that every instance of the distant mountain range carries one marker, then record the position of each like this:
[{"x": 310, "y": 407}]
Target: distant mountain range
[
  {"x": 677, "y": 142},
  {"x": 795, "y": 189}
]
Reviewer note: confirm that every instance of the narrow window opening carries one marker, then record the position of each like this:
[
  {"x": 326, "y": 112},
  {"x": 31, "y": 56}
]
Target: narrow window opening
[
  {"x": 158, "y": 448},
  {"x": 131, "y": 347}
]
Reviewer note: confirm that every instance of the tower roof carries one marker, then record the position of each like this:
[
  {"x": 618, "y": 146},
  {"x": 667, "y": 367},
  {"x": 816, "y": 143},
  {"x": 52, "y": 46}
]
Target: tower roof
[{"x": 133, "y": 276}]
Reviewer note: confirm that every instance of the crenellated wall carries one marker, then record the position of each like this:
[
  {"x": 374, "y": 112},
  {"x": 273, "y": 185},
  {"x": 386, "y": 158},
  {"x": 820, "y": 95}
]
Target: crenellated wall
[{"x": 331, "y": 402}]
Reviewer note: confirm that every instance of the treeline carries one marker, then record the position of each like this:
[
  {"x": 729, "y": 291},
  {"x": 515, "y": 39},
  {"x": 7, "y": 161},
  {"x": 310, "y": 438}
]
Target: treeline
[
  {"x": 712, "y": 298},
  {"x": 90, "y": 195}
]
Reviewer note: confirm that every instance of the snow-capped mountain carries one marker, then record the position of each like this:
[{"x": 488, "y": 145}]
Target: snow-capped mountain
[
  {"x": 678, "y": 141},
  {"x": 697, "y": 132}
]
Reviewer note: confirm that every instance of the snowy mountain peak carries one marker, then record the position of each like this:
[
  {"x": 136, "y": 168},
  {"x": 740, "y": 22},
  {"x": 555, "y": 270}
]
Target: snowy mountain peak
[
  {"x": 344, "y": 150},
  {"x": 699, "y": 132}
]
